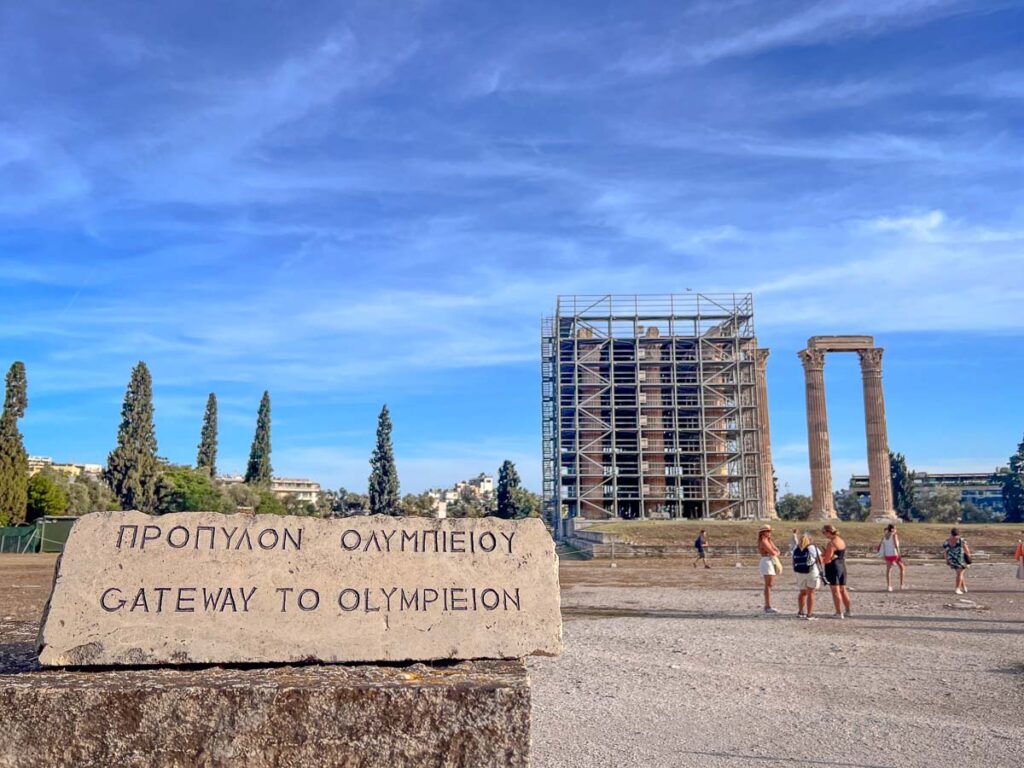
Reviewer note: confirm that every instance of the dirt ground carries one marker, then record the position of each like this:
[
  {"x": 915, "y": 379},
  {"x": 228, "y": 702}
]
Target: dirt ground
[{"x": 665, "y": 665}]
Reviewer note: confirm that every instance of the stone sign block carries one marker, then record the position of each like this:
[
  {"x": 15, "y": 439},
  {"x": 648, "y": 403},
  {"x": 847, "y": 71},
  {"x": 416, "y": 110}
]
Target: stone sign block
[{"x": 197, "y": 587}]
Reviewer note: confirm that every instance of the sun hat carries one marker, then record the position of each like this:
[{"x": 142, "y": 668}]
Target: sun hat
[{"x": 764, "y": 528}]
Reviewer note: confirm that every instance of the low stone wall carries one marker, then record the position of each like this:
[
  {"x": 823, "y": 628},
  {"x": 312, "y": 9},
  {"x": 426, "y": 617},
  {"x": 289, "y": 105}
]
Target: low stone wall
[{"x": 466, "y": 714}]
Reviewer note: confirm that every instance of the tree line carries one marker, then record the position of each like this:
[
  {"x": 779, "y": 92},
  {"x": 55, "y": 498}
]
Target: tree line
[
  {"x": 136, "y": 477},
  {"x": 934, "y": 505}
]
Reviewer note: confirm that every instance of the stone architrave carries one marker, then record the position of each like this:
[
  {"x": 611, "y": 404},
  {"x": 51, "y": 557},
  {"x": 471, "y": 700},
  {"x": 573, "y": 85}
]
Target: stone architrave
[
  {"x": 201, "y": 588},
  {"x": 879, "y": 473},
  {"x": 823, "y": 507},
  {"x": 764, "y": 437}
]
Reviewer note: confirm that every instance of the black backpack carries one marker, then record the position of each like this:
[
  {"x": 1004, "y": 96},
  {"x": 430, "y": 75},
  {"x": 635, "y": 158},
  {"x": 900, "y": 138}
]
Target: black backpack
[{"x": 802, "y": 560}]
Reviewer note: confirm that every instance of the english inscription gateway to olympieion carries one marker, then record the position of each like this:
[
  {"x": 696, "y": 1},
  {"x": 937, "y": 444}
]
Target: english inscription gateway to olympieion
[{"x": 208, "y": 588}]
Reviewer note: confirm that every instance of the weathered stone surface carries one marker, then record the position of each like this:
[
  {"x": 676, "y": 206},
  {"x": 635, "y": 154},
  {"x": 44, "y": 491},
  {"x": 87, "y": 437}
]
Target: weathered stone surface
[
  {"x": 209, "y": 588},
  {"x": 464, "y": 714}
]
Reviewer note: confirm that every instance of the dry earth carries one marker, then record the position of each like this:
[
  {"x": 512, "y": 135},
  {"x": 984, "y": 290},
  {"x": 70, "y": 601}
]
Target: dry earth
[{"x": 669, "y": 666}]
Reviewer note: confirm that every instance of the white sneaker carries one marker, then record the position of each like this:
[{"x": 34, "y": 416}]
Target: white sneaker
[
  {"x": 771, "y": 610},
  {"x": 838, "y": 616},
  {"x": 890, "y": 589},
  {"x": 959, "y": 591},
  {"x": 965, "y": 590}
]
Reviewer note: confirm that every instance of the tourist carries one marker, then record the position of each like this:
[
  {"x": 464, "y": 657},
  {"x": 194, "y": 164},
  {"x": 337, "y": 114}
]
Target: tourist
[
  {"x": 806, "y": 557},
  {"x": 770, "y": 566},
  {"x": 700, "y": 545},
  {"x": 1018, "y": 557},
  {"x": 834, "y": 558},
  {"x": 958, "y": 557},
  {"x": 889, "y": 548}
]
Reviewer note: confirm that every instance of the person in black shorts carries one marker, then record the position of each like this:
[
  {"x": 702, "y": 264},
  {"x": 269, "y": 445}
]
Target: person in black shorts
[
  {"x": 700, "y": 545},
  {"x": 834, "y": 558}
]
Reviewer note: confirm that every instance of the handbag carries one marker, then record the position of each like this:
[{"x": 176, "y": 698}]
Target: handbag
[
  {"x": 967, "y": 559},
  {"x": 777, "y": 565}
]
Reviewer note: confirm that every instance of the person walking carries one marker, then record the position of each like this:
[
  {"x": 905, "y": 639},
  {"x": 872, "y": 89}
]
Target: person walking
[
  {"x": 958, "y": 557},
  {"x": 806, "y": 559},
  {"x": 769, "y": 566},
  {"x": 889, "y": 548},
  {"x": 834, "y": 558},
  {"x": 1018, "y": 557},
  {"x": 701, "y": 546}
]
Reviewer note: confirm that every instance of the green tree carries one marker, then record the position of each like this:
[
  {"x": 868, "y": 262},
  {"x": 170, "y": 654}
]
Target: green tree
[
  {"x": 259, "y": 471},
  {"x": 132, "y": 467},
  {"x": 1013, "y": 487},
  {"x": 383, "y": 490},
  {"x": 848, "y": 507},
  {"x": 508, "y": 484},
  {"x": 794, "y": 506},
  {"x": 973, "y": 513},
  {"x": 938, "y": 505},
  {"x": 13, "y": 457},
  {"x": 902, "y": 485},
  {"x": 45, "y": 497},
  {"x": 85, "y": 494},
  {"x": 269, "y": 503},
  {"x": 184, "y": 489},
  {"x": 418, "y": 505},
  {"x": 207, "y": 456}
]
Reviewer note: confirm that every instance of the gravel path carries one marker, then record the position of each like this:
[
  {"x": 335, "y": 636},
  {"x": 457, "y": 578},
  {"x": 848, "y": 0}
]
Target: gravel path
[{"x": 667, "y": 666}]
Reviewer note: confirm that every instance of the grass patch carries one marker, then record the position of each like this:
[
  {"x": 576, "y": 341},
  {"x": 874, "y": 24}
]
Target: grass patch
[{"x": 681, "y": 533}]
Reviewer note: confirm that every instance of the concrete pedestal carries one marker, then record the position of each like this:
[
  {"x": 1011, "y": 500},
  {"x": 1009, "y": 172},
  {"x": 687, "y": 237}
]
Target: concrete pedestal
[{"x": 464, "y": 714}]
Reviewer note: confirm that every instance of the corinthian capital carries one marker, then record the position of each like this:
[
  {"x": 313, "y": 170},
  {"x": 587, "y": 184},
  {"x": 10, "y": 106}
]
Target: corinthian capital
[
  {"x": 871, "y": 359},
  {"x": 761, "y": 356},
  {"x": 813, "y": 359}
]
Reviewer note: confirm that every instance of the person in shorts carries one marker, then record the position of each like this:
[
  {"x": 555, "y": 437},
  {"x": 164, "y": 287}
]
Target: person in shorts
[
  {"x": 834, "y": 558},
  {"x": 806, "y": 560},
  {"x": 889, "y": 548},
  {"x": 701, "y": 546},
  {"x": 766, "y": 565}
]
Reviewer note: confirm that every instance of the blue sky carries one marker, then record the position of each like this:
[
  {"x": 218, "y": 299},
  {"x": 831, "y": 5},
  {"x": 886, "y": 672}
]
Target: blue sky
[{"x": 353, "y": 203}]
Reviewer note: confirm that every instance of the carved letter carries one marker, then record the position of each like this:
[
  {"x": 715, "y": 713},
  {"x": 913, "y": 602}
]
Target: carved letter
[
  {"x": 341, "y": 599},
  {"x": 170, "y": 533},
  {"x": 120, "y": 600},
  {"x": 246, "y": 598},
  {"x": 296, "y": 541},
  {"x": 487, "y": 538},
  {"x": 284, "y": 597},
  {"x": 508, "y": 537},
  {"x": 244, "y": 537},
  {"x": 484, "y": 602},
  {"x": 345, "y": 538},
  {"x": 309, "y": 605},
  {"x": 181, "y": 598},
  {"x": 213, "y": 534},
  {"x": 120, "y": 535},
  {"x": 146, "y": 537},
  {"x": 510, "y": 599},
  {"x": 264, "y": 532}
]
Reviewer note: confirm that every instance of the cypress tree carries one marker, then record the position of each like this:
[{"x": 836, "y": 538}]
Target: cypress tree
[
  {"x": 259, "y": 470},
  {"x": 1013, "y": 487},
  {"x": 902, "y": 485},
  {"x": 132, "y": 467},
  {"x": 207, "y": 457},
  {"x": 508, "y": 484},
  {"x": 13, "y": 457},
  {"x": 383, "y": 491}
]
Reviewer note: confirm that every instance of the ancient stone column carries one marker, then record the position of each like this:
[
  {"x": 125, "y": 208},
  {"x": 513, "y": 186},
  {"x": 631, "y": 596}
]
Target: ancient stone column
[
  {"x": 817, "y": 435},
  {"x": 877, "y": 435},
  {"x": 764, "y": 437}
]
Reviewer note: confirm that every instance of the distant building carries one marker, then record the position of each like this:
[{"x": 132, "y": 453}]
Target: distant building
[
  {"x": 977, "y": 488},
  {"x": 37, "y": 464},
  {"x": 480, "y": 487},
  {"x": 298, "y": 488}
]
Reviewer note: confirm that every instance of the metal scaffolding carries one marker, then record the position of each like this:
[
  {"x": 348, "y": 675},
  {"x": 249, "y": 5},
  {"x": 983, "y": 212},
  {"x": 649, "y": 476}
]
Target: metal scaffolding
[{"x": 649, "y": 407}]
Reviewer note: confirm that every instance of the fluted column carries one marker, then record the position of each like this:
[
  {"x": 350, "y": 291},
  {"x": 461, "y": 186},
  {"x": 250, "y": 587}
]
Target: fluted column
[
  {"x": 817, "y": 435},
  {"x": 877, "y": 434},
  {"x": 764, "y": 437}
]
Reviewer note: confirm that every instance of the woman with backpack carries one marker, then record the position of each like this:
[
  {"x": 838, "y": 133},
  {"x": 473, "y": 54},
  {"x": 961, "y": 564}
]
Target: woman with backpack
[
  {"x": 806, "y": 559},
  {"x": 889, "y": 548},
  {"x": 958, "y": 557}
]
